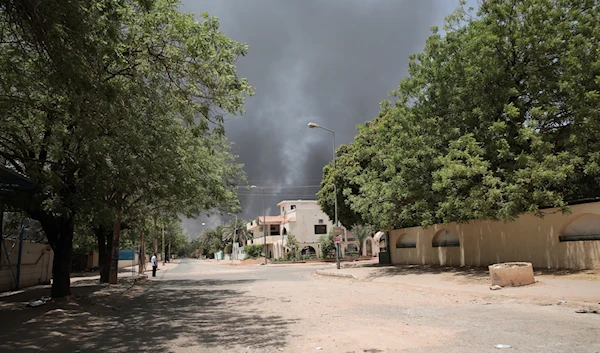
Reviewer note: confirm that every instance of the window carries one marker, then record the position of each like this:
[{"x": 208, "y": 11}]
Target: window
[
  {"x": 320, "y": 229},
  {"x": 274, "y": 229},
  {"x": 320, "y": 221},
  {"x": 282, "y": 209},
  {"x": 292, "y": 207}
]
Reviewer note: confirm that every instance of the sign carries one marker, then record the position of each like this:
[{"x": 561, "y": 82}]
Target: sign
[
  {"x": 338, "y": 230},
  {"x": 337, "y": 239}
]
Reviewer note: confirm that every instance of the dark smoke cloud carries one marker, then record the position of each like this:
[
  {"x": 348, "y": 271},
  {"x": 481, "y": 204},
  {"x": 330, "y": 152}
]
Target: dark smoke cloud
[{"x": 327, "y": 61}]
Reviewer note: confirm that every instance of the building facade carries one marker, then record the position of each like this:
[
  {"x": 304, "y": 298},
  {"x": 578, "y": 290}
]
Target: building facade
[{"x": 302, "y": 218}]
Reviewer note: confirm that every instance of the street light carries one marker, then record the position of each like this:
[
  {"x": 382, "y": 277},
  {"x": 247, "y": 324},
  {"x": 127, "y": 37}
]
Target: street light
[
  {"x": 312, "y": 125},
  {"x": 234, "y": 234},
  {"x": 262, "y": 190}
]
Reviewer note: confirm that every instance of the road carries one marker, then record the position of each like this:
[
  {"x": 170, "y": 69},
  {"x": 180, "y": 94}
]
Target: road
[{"x": 199, "y": 306}]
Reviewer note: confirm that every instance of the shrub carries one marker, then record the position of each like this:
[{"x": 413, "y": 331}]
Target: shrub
[
  {"x": 327, "y": 245},
  {"x": 253, "y": 251},
  {"x": 228, "y": 249}
]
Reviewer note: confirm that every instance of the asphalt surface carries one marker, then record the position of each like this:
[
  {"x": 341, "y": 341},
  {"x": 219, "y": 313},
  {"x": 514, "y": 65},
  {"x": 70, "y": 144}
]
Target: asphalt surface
[{"x": 201, "y": 306}]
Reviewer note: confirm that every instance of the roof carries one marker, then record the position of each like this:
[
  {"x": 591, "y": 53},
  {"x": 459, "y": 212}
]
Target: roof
[
  {"x": 270, "y": 219},
  {"x": 296, "y": 201},
  {"x": 12, "y": 181}
]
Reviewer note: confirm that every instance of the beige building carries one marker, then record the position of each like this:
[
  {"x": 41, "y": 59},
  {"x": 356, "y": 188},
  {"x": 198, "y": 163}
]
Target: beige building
[
  {"x": 305, "y": 220},
  {"x": 556, "y": 241}
]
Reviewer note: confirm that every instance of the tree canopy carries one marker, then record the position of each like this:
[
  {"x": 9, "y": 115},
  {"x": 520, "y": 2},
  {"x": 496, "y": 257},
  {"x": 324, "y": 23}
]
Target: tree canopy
[
  {"x": 499, "y": 116},
  {"x": 115, "y": 111}
]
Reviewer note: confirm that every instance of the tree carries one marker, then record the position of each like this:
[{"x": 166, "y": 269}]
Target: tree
[
  {"x": 327, "y": 245},
  {"x": 498, "y": 117},
  {"x": 112, "y": 111},
  {"x": 242, "y": 235},
  {"x": 347, "y": 160},
  {"x": 294, "y": 246},
  {"x": 361, "y": 233}
]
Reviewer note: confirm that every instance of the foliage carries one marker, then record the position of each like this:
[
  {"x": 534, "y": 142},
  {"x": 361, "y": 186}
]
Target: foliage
[
  {"x": 212, "y": 239},
  {"x": 115, "y": 111},
  {"x": 361, "y": 233},
  {"x": 327, "y": 245},
  {"x": 498, "y": 117},
  {"x": 242, "y": 233},
  {"x": 228, "y": 249},
  {"x": 293, "y": 246},
  {"x": 253, "y": 251}
]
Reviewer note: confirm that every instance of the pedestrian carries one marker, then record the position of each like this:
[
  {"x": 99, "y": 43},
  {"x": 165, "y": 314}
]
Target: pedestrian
[{"x": 154, "y": 263}]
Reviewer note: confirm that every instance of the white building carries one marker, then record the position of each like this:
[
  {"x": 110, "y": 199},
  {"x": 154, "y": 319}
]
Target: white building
[{"x": 305, "y": 220}]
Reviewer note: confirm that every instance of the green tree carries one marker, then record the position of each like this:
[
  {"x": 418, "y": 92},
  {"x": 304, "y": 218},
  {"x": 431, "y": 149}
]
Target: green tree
[
  {"x": 114, "y": 110},
  {"x": 294, "y": 246},
  {"x": 361, "y": 233},
  {"x": 242, "y": 235},
  {"x": 498, "y": 117},
  {"x": 327, "y": 245}
]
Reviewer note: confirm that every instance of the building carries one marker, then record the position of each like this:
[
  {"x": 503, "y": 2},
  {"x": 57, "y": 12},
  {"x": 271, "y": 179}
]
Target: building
[{"x": 305, "y": 220}]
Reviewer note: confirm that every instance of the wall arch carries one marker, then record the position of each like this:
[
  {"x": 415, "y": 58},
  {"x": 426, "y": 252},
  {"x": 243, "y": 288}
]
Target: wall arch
[
  {"x": 445, "y": 239},
  {"x": 581, "y": 228},
  {"x": 405, "y": 241},
  {"x": 351, "y": 248},
  {"x": 308, "y": 250}
]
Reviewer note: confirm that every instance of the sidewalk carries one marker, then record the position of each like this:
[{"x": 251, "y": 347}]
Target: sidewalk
[
  {"x": 127, "y": 273},
  {"x": 549, "y": 287}
]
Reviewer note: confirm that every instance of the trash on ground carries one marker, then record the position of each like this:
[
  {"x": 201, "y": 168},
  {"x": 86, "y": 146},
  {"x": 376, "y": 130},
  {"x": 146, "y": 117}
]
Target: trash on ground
[
  {"x": 586, "y": 311},
  {"x": 495, "y": 287},
  {"x": 35, "y": 303},
  {"x": 503, "y": 346},
  {"x": 319, "y": 348},
  {"x": 562, "y": 302}
]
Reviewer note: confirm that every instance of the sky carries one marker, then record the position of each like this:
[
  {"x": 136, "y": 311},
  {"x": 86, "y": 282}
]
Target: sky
[{"x": 325, "y": 61}]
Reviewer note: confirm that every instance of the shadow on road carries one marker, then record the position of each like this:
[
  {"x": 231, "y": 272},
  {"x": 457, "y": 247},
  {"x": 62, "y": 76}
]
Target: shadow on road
[
  {"x": 163, "y": 316},
  {"x": 403, "y": 270}
]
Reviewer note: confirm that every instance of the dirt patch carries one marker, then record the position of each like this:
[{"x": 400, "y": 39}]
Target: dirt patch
[{"x": 250, "y": 262}]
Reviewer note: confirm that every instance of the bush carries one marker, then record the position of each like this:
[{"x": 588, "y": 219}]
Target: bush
[
  {"x": 228, "y": 249},
  {"x": 292, "y": 244},
  {"x": 327, "y": 245},
  {"x": 253, "y": 251}
]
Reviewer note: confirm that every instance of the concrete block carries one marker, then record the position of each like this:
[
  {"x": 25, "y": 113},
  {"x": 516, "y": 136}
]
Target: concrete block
[{"x": 512, "y": 274}]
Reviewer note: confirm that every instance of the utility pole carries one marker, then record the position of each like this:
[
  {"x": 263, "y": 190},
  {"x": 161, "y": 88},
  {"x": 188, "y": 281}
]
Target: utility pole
[{"x": 163, "y": 244}]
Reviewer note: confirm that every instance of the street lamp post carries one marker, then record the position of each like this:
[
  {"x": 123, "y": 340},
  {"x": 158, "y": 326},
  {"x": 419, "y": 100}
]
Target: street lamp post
[
  {"x": 262, "y": 190},
  {"x": 312, "y": 125}
]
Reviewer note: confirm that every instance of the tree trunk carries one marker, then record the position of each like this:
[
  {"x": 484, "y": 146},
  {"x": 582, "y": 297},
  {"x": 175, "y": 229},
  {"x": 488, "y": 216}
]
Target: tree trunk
[
  {"x": 142, "y": 256},
  {"x": 61, "y": 268},
  {"x": 104, "y": 237},
  {"x": 114, "y": 263},
  {"x": 59, "y": 232}
]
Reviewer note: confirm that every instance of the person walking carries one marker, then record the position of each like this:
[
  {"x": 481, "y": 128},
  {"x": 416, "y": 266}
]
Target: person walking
[{"x": 154, "y": 263}]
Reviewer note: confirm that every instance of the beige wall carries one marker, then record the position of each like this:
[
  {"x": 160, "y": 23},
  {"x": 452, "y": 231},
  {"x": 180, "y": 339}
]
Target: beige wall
[
  {"x": 528, "y": 238},
  {"x": 36, "y": 265}
]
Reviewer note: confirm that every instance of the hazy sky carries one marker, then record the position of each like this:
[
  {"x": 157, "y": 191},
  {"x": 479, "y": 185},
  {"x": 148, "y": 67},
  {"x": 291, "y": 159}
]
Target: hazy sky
[{"x": 327, "y": 61}]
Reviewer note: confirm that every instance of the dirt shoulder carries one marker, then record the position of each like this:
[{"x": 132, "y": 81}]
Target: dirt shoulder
[{"x": 580, "y": 287}]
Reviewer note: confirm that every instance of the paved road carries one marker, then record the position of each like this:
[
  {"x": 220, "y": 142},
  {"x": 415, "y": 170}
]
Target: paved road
[{"x": 199, "y": 306}]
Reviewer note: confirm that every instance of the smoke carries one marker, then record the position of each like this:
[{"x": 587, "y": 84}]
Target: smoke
[{"x": 327, "y": 61}]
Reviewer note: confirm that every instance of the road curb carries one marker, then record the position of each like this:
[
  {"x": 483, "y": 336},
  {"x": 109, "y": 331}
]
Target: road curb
[{"x": 336, "y": 274}]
